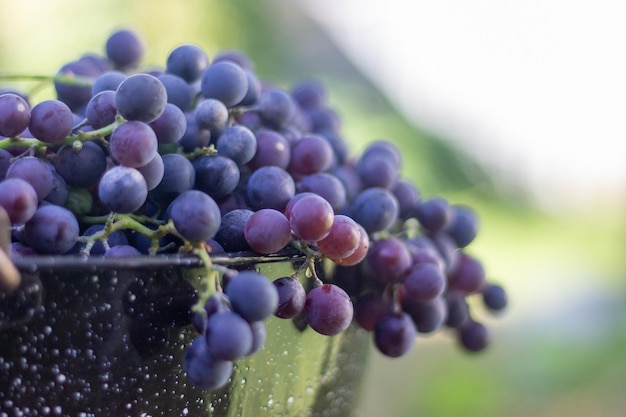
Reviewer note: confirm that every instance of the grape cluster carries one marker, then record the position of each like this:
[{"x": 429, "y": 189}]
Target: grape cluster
[{"x": 203, "y": 157}]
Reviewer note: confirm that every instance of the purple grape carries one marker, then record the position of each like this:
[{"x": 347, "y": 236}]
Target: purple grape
[
  {"x": 122, "y": 189},
  {"x": 171, "y": 125},
  {"x": 428, "y": 316},
  {"x": 19, "y": 200},
  {"x": 272, "y": 149},
  {"x": 395, "y": 334},
  {"x": 424, "y": 282},
  {"x": 310, "y": 154},
  {"x": 267, "y": 231},
  {"x": 14, "y": 115},
  {"x": 467, "y": 275},
  {"x": 433, "y": 214},
  {"x": 389, "y": 259},
  {"x": 236, "y": 57},
  {"x": 458, "y": 309},
  {"x": 252, "y": 295},
  {"x": 369, "y": 308},
  {"x": 75, "y": 96},
  {"x": 275, "y": 107},
  {"x": 342, "y": 240},
  {"x": 269, "y": 187},
  {"x": 194, "y": 137},
  {"x": 122, "y": 251},
  {"x": 187, "y": 61},
  {"x": 231, "y": 234},
  {"x": 408, "y": 197},
  {"x": 226, "y": 82},
  {"x": 494, "y": 297},
  {"x": 328, "y": 309},
  {"x": 141, "y": 97},
  {"x": 52, "y": 230},
  {"x": 59, "y": 192},
  {"x": 108, "y": 80},
  {"x": 473, "y": 336},
  {"x": 153, "y": 172},
  {"x": 51, "y": 121},
  {"x": 326, "y": 185},
  {"x": 463, "y": 226},
  {"x": 291, "y": 297},
  {"x": 237, "y": 143},
  {"x": 310, "y": 94},
  {"x": 376, "y": 170},
  {"x": 5, "y": 162},
  {"x": 376, "y": 209},
  {"x": 101, "y": 110},
  {"x": 133, "y": 144},
  {"x": 211, "y": 114},
  {"x": 178, "y": 177},
  {"x": 124, "y": 48},
  {"x": 81, "y": 168},
  {"x": 216, "y": 175},
  {"x": 34, "y": 171},
  {"x": 359, "y": 253},
  {"x": 311, "y": 218},
  {"x": 196, "y": 216},
  {"x": 228, "y": 335},
  {"x": 202, "y": 369},
  {"x": 259, "y": 335},
  {"x": 254, "y": 90}
]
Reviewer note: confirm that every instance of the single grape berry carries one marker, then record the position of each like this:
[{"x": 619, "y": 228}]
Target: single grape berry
[
  {"x": 196, "y": 216},
  {"x": 14, "y": 115},
  {"x": 328, "y": 309},
  {"x": 141, "y": 97},
  {"x": 252, "y": 295},
  {"x": 394, "y": 334},
  {"x": 291, "y": 297}
]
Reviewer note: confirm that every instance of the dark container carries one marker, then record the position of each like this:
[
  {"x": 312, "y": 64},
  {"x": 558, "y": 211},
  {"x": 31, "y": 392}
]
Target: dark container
[{"x": 106, "y": 337}]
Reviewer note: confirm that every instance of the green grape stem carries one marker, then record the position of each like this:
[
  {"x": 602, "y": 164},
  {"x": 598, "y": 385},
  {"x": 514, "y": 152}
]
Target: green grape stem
[{"x": 62, "y": 79}]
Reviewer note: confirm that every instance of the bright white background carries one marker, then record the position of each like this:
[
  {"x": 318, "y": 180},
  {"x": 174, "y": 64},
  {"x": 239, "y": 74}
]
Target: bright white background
[{"x": 535, "y": 89}]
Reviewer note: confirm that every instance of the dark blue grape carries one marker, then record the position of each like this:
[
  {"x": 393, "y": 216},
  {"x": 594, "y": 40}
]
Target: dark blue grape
[
  {"x": 236, "y": 57},
  {"x": 428, "y": 316},
  {"x": 228, "y": 335},
  {"x": 122, "y": 251},
  {"x": 141, "y": 97},
  {"x": 376, "y": 209},
  {"x": 196, "y": 216},
  {"x": 291, "y": 297},
  {"x": 83, "y": 167},
  {"x": 254, "y": 90},
  {"x": 259, "y": 335},
  {"x": 269, "y": 187},
  {"x": 494, "y": 297},
  {"x": 216, "y": 175},
  {"x": 75, "y": 96},
  {"x": 226, "y": 82},
  {"x": 52, "y": 230},
  {"x": 101, "y": 110},
  {"x": 170, "y": 126},
  {"x": 463, "y": 225},
  {"x": 109, "y": 80},
  {"x": 211, "y": 114},
  {"x": 202, "y": 369},
  {"x": 178, "y": 91},
  {"x": 153, "y": 172},
  {"x": 133, "y": 144},
  {"x": 194, "y": 137},
  {"x": 408, "y": 197},
  {"x": 473, "y": 336},
  {"x": 231, "y": 234},
  {"x": 310, "y": 94},
  {"x": 275, "y": 107},
  {"x": 34, "y": 171},
  {"x": 424, "y": 282},
  {"x": 122, "y": 189},
  {"x": 310, "y": 154},
  {"x": 252, "y": 295},
  {"x": 327, "y": 186},
  {"x": 237, "y": 143},
  {"x": 59, "y": 192},
  {"x": 433, "y": 214},
  {"x": 376, "y": 170},
  {"x": 178, "y": 177},
  {"x": 272, "y": 149}
]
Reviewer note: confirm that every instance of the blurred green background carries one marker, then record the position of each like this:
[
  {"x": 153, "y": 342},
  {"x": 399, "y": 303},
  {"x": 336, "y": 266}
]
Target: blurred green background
[{"x": 560, "y": 348}]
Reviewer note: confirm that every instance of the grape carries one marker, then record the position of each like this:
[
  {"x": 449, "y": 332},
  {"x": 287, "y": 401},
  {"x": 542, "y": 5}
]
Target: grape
[
  {"x": 5, "y": 163},
  {"x": 122, "y": 251},
  {"x": 202, "y": 369},
  {"x": 237, "y": 143},
  {"x": 226, "y": 82},
  {"x": 323, "y": 120},
  {"x": 275, "y": 107},
  {"x": 473, "y": 336},
  {"x": 259, "y": 335},
  {"x": 178, "y": 177},
  {"x": 310, "y": 154},
  {"x": 19, "y": 200},
  {"x": 141, "y": 97},
  {"x": 153, "y": 171},
  {"x": 384, "y": 148},
  {"x": 178, "y": 91},
  {"x": 310, "y": 94},
  {"x": 216, "y": 175},
  {"x": 311, "y": 218},
  {"x": 252, "y": 295},
  {"x": 433, "y": 214},
  {"x": 124, "y": 48},
  {"x": 468, "y": 275},
  {"x": 291, "y": 297},
  {"x": 359, "y": 253},
  {"x": 376, "y": 170},
  {"x": 389, "y": 259},
  {"x": 133, "y": 144},
  {"x": 170, "y": 126},
  {"x": 343, "y": 238},
  {"x": 254, "y": 90},
  {"x": 52, "y": 230},
  {"x": 51, "y": 121},
  {"x": 231, "y": 234},
  {"x": 369, "y": 308},
  {"x": 75, "y": 96},
  {"x": 408, "y": 197},
  {"x": 228, "y": 335},
  {"x": 59, "y": 192},
  {"x": 269, "y": 187},
  {"x": 194, "y": 137},
  {"x": 267, "y": 231},
  {"x": 424, "y": 282},
  {"x": 108, "y": 80},
  {"x": 34, "y": 171},
  {"x": 328, "y": 309},
  {"x": 272, "y": 149},
  {"x": 463, "y": 226},
  {"x": 494, "y": 297},
  {"x": 376, "y": 209},
  {"x": 395, "y": 334},
  {"x": 428, "y": 316},
  {"x": 236, "y": 57},
  {"x": 211, "y": 114},
  {"x": 196, "y": 216},
  {"x": 14, "y": 115},
  {"x": 326, "y": 185},
  {"x": 187, "y": 61},
  {"x": 122, "y": 189},
  {"x": 83, "y": 167},
  {"x": 101, "y": 110},
  {"x": 458, "y": 309}
]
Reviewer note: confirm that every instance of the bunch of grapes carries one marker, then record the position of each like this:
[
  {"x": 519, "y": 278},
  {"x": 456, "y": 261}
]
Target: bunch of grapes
[{"x": 202, "y": 157}]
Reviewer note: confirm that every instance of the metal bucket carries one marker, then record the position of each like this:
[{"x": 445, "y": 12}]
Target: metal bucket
[{"x": 106, "y": 337}]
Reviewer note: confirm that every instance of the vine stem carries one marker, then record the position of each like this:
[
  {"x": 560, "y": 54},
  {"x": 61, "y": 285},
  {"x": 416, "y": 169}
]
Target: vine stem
[{"x": 72, "y": 80}]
